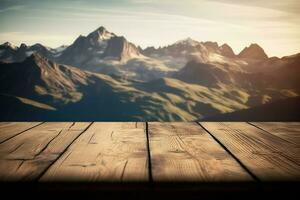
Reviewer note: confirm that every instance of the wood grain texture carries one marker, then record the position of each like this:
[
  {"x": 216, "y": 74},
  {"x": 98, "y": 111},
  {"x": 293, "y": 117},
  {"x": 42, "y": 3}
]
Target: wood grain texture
[
  {"x": 27, "y": 155},
  {"x": 11, "y": 129},
  {"x": 289, "y": 131},
  {"x": 186, "y": 152},
  {"x": 267, "y": 156},
  {"x": 107, "y": 151}
]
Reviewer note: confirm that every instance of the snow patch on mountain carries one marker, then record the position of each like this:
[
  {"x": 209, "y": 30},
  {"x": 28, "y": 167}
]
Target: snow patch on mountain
[
  {"x": 29, "y": 53},
  {"x": 188, "y": 41}
]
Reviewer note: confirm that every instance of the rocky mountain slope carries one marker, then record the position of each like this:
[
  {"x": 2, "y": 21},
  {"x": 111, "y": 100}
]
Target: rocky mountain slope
[
  {"x": 105, "y": 52},
  {"x": 100, "y": 51},
  {"x": 51, "y": 91},
  {"x": 253, "y": 52},
  {"x": 10, "y": 53},
  {"x": 73, "y": 94}
]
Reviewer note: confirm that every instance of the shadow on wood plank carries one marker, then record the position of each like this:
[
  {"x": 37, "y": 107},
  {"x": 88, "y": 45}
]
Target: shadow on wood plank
[{"x": 150, "y": 190}]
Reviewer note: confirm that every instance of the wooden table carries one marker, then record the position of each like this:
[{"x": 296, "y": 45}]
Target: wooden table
[{"x": 150, "y": 152}]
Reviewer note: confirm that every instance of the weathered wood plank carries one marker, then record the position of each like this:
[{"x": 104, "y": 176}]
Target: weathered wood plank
[
  {"x": 10, "y": 129},
  {"x": 186, "y": 152},
  {"x": 267, "y": 156},
  {"x": 289, "y": 131},
  {"x": 107, "y": 151},
  {"x": 28, "y": 155}
]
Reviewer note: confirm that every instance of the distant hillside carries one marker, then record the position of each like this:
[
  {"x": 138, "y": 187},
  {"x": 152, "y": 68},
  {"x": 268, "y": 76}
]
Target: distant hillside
[
  {"x": 283, "y": 110},
  {"x": 73, "y": 94},
  {"x": 15, "y": 108}
]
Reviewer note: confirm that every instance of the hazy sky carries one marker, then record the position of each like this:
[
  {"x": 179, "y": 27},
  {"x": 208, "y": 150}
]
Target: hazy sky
[{"x": 274, "y": 24}]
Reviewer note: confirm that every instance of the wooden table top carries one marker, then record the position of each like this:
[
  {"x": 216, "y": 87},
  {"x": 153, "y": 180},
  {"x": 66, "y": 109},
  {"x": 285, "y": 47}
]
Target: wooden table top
[{"x": 154, "y": 152}]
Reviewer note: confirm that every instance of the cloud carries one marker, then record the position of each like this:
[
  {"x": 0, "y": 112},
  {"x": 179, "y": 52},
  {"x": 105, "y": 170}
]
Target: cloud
[
  {"x": 290, "y": 6},
  {"x": 12, "y": 8},
  {"x": 140, "y": 1},
  {"x": 158, "y": 22}
]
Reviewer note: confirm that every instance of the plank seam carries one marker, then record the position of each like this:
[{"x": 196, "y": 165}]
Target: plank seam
[
  {"x": 231, "y": 154},
  {"x": 65, "y": 150},
  {"x": 21, "y": 132},
  {"x": 148, "y": 153},
  {"x": 271, "y": 133},
  {"x": 46, "y": 146}
]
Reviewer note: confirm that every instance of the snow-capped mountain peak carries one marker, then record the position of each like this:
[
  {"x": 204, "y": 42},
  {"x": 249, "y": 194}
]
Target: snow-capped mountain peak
[
  {"x": 188, "y": 41},
  {"x": 101, "y": 34},
  {"x": 10, "y": 45}
]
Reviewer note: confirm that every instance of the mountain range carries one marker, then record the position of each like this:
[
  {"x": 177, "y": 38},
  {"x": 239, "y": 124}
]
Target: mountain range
[{"x": 102, "y": 76}]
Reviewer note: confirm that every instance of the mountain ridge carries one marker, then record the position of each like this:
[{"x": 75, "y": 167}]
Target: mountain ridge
[
  {"x": 254, "y": 51},
  {"x": 113, "y": 79},
  {"x": 102, "y": 34}
]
